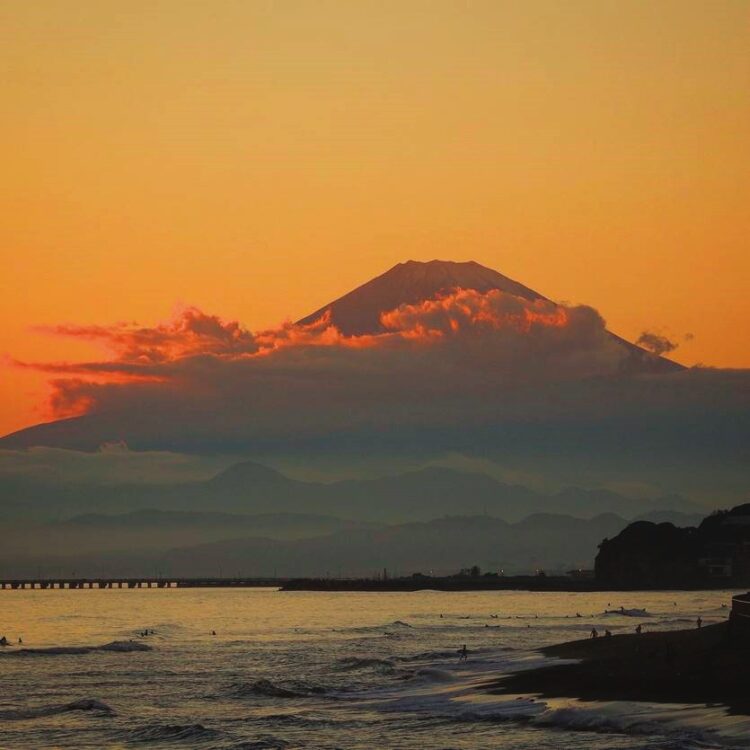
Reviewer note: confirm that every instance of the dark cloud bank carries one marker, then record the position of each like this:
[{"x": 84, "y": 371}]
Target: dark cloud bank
[{"x": 522, "y": 382}]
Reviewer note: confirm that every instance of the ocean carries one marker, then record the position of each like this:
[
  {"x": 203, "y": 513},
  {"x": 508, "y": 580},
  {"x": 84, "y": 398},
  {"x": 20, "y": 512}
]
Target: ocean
[{"x": 325, "y": 670}]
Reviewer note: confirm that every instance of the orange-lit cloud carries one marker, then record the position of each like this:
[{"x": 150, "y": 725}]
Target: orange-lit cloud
[
  {"x": 190, "y": 333},
  {"x": 489, "y": 337},
  {"x": 466, "y": 310}
]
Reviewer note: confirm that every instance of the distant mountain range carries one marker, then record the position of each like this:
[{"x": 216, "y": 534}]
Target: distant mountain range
[
  {"x": 201, "y": 544},
  {"x": 251, "y": 489},
  {"x": 261, "y": 520},
  {"x": 157, "y": 530}
]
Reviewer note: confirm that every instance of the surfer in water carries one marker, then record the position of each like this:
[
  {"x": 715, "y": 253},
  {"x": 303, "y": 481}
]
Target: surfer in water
[{"x": 463, "y": 653}]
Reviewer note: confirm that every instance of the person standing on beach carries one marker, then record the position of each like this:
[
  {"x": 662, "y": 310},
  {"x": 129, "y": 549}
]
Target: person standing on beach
[
  {"x": 699, "y": 622},
  {"x": 639, "y": 628}
]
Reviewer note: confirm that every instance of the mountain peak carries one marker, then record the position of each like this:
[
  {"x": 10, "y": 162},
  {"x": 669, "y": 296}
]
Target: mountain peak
[{"x": 358, "y": 312}]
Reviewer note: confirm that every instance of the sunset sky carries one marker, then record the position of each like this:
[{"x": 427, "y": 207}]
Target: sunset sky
[{"x": 258, "y": 159}]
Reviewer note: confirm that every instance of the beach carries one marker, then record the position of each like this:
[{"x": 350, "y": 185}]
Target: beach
[{"x": 700, "y": 665}]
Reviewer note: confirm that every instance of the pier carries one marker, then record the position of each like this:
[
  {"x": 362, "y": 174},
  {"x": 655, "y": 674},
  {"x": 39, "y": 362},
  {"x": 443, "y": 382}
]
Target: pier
[{"x": 140, "y": 582}]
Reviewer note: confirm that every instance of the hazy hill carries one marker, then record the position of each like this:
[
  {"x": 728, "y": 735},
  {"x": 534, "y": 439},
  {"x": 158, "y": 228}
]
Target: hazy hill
[
  {"x": 157, "y": 530},
  {"x": 249, "y": 488},
  {"x": 646, "y": 554},
  {"x": 673, "y": 517},
  {"x": 442, "y": 545}
]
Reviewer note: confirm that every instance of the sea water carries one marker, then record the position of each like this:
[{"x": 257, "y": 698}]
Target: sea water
[{"x": 325, "y": 670}]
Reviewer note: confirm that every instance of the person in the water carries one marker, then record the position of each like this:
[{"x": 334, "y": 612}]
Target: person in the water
[{"x": 463, "y": 653}]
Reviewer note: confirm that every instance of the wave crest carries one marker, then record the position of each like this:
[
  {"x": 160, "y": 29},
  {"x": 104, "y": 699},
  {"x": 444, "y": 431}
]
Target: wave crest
[
  {"x": 269, "y": 689},
  {"x": 84, "y": 704},
  {"x": 353, "y": 663},
  {"x": 119, "y": 646},
  {"x": 171, "y": 732}
]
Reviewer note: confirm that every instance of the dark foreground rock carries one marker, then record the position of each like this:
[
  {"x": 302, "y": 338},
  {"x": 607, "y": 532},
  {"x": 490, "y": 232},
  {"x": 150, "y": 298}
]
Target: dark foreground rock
[{"x": 707, "y": 665}]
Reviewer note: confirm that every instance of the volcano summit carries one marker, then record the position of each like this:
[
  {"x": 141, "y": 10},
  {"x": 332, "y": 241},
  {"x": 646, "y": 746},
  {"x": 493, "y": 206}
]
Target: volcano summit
[{"x": 362, "y": 310}]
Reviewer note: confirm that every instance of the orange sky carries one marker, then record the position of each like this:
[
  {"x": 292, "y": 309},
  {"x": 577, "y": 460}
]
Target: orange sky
[{"x": 258, "y": 159}]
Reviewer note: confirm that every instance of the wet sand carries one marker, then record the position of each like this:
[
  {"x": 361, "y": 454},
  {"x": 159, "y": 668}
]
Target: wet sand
[{"x": 710, "y": 665}]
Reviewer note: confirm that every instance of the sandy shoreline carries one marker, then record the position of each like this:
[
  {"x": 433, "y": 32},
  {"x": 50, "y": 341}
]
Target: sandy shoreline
[{"x": 710, "y": 665}]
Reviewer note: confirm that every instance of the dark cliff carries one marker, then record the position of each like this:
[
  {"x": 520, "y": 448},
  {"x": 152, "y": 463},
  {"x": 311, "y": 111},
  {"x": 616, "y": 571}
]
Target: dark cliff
[{"x": 650, "y": 555}]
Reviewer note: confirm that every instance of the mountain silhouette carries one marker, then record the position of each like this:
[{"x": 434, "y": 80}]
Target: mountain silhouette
[
  {"x": 359, "y": 312},
  {"x": 252, "y": 489},
  {"x": 443, "y": 545}
]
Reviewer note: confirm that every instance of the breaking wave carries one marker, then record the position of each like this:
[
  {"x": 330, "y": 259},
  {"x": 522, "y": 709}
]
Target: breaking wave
[
  {"x": 352, "y": 663},
  {"x": 537, "y": 713},
  {"x": 172, "y": 732},
  {"x": 119, "y": 646},
  {"x": 597, "y": 720},
  {"x": 264, "y": 687},
  {"x": 85, "y": 704},
  {"x": 262, "y": 743}
]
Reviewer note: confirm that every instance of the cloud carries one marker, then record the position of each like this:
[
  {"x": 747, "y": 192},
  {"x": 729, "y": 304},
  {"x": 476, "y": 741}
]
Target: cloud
[
  {"x": 465, "y": 339},
  {"x": 657, "y": 343},
  {"x": 485, "y": 375},
  {"x": 190, "y": 333},
  {"x": 468, "y": 311}
]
